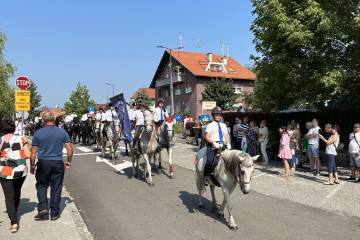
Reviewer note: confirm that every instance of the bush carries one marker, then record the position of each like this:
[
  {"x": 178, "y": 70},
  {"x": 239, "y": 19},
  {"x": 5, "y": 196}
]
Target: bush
[
  {"x": 178, "y": 127},
  {"x": 274, "y": 120}
]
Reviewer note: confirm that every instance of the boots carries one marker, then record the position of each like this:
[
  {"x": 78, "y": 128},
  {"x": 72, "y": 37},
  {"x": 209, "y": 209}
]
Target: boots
[{"x": 205, "y": 180}]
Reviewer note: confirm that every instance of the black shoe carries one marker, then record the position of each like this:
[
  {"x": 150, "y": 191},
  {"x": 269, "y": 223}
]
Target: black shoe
[
  {"x": 55, "y": 217},
  {"x": 351, "y": 179},
  {"x": 41, "y": 214}
]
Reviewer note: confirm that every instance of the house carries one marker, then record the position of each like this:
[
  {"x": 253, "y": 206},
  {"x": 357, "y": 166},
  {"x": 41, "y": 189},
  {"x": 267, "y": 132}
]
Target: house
[
  {"x": 190, "y": 71},
  {"x": 150, "y": 92},
  {"x": 58, "y": 111}
]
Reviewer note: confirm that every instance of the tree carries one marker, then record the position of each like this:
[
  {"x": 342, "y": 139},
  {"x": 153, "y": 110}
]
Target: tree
[
  {"x": 35, "y": 100},
  {"x": 79, "y": 100},
  {"x": 309, "y": 51},
  {"x": 142, "y": 97},
  {"x": 221, "y": 91},
  {"x": 7, "y": 92}
]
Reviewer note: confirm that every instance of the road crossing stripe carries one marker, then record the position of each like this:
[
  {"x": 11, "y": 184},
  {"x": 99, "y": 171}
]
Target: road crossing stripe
[
  {"x": 119, "y": 167},
  {"x": 84, "y": 149}
]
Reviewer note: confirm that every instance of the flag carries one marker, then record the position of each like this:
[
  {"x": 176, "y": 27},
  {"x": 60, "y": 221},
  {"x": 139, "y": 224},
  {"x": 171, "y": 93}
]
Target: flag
[{"x": 119, "y": 104}]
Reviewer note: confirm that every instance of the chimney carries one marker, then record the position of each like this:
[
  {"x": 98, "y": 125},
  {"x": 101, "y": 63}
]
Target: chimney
[
  {"x": 209, "y": 57},
  {"x": 224, "y": 60}
]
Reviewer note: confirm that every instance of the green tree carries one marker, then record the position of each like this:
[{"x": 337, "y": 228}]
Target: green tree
[
  {"x": 7, "y": 93},
  {"x": 143, "y": 97},
  {"x": 35, "y": 100},
  {"x": 79, "y": 100},
  {"x": 221, "y": 91},
  {"x": 308, "y": 51}
]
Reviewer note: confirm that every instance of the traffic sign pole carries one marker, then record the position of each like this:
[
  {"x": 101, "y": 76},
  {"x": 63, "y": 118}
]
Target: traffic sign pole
[{"x": 22, "y": 82}]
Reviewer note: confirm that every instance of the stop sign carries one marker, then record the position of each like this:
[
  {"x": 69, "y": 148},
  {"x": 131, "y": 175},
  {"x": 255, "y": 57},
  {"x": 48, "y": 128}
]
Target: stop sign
[{"x": 22, "y": 82}]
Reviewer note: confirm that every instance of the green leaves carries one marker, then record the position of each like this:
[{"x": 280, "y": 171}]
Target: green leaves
[
  {"x": 143, "y": 97},
  {"x": 35, "y": 100},
  {"x": 79, "y": 100},
  {"x": 221, "y": 91},
  {"x": 308, "y": 51}
]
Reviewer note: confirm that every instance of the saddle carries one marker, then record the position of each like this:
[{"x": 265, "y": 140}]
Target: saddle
[{"x": 209, "y": 160}]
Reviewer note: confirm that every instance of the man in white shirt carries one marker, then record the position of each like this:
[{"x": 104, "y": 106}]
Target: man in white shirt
[
  {"x": 73, "y": 115},
  {"x": 102, "y": 118},
  {"x": 354, "y": 152},
  {"x": 85, "y": 117},
  {"x": 313, "y": 148},
  {"x": 217, "y": 137},
  {"x": 110, "y": 115},
  {"x": 139, "y": 123},
  {"x": 159, "y": 115}
]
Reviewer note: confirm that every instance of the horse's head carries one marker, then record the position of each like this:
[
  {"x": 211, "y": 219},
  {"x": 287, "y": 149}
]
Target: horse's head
[
  {"x": 169, "y": 127},
  {"x": 245, "y": 170},
  {"x": 148, "y": 121}
]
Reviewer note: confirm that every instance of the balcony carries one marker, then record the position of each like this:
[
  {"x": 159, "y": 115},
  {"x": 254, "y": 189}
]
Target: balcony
[{"x": 177, "y": 78}]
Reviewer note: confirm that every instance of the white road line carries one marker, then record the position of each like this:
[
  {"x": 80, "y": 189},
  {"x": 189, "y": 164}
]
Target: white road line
[
  {"x": 192, "y": 155},
  {"x": 336, "y": 189},
  {"x": 64, "y": 150},
  {"x": 119, "y": 167},
  {"x": 84, "y": 149},
  {"x": 259, "y": 175}
]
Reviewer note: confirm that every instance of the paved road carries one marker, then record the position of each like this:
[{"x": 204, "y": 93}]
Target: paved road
[{"x": 116, "y": 206}]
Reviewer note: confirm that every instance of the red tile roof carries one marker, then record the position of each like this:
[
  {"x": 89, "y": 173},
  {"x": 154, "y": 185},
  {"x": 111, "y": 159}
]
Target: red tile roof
[
  {"x": 197, "y": 62},
  {"x": 149, "y": 91},
  {"x": 57, "y": 111}
]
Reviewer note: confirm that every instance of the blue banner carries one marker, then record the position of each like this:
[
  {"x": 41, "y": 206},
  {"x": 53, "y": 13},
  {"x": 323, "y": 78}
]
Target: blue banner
[{"x": 119, "y": 103}]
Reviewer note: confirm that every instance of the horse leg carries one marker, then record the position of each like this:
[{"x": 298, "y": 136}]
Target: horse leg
[
  {"x": 170, "y": 163},
  {"x": 229, "y": 206},
  {"x": 148, "y": 167},
  {"x": 214, "y": 203},
  {"x": 126, "y": 149},
  {"x": 200, "y": 187}
]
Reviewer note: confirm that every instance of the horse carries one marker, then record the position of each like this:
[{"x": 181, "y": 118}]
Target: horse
[
  {"x": 234, "y": 167},
  {"x": 111, "y": 140},
  {"x": 74, "y": 129},
  {"x": 147, "y": 145},
  {"x": 86, "y": 129},
  {"x": 166, "y": 141}
]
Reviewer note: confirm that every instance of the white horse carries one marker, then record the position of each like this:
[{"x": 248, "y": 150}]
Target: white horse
[
  {"x": 111, "y": 141},
  {"x": 97, "y": 134},
  {"x": 166, "y": 141},
  {"x": 234, "y": 167},
  {"x": 147, "y": 146}
]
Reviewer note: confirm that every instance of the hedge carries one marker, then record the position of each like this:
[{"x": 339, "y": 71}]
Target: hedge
[{"x": 345, "y": 120}]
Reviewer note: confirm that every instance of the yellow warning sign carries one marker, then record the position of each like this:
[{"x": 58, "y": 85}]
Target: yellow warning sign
[{"x": 22, "y": 100}]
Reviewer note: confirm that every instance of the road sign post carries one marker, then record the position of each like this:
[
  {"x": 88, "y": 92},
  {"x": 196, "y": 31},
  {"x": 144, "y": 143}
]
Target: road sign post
[{"x": 22, "y": 98}]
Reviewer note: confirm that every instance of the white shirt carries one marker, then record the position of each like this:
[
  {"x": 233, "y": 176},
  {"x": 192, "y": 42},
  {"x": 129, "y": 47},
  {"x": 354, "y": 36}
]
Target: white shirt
[
  {"x": 213, "y": 129},
  {"x": 68, "y": 118},
  {"x": 158, "y": 112},
  {"x": 73, "y": 115},
  {"x": 353, "y": 146},
  {"x": 110, "y": 114},
  {"x": 139, "y": 117},
  {"x": 185, "y": 120},
  {"x": 37, "y": 119},
  {"x": 131, "y": 113},
  {"x": 84, "y": 117},
  {"x": 100, "y": 116},
  {"x": 314, "y": 140}
]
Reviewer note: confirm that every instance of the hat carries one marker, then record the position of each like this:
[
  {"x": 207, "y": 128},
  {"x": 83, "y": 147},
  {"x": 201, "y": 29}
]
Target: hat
[
  {"x": 160, "y": 100},
  {"x": 216, "y": 110},
  {"x": 109, "y": 105},
  {"x": 101, "y": 109}
]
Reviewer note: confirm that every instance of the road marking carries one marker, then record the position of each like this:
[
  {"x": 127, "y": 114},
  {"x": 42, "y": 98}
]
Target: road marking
[
  {"x": 192, "y": 155},
  {"x": 119, "y": 167},
  {"x": 336, "y": 189},
  {"x": 84, "y": 149},
  {"x": 64, "y": 150},
  {"x": 259, "y": 175}
]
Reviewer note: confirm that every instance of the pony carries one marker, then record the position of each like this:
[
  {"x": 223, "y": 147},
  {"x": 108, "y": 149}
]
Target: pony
[
  {"x": 86, "y": 129},
  {"x": 73, "y": 129},
  {"x": 166, "y": 142},
  {"x": 234, "y": 167},
  {"x": 147, "y": 145},
  {"x": 97, "y": 134},
  {"x": 112, "y": 140}
]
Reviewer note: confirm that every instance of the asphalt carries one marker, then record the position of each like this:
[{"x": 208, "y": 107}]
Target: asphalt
[{"x": 69, "y": 226}]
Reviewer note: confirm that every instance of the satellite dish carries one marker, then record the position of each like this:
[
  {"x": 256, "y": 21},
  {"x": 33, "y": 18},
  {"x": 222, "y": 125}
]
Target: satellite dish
[{"x": 26, "y": 114}]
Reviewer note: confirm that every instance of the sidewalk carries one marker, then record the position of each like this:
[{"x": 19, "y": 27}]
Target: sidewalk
[{"x": 69, "y": 226}]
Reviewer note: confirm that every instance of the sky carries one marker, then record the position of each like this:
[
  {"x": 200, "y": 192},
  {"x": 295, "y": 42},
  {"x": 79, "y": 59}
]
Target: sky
[{"x": 60, "y": 43}]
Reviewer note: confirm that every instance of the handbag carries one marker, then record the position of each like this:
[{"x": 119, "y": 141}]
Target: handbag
[{"x": 355, "y": 156}]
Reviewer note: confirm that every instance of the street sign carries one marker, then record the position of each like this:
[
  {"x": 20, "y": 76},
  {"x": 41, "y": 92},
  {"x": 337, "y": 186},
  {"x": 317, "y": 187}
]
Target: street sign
[
  {"x": 22, "y": 82},
  {"x": 22, "y": 100},
  {"x": 91, "y": 109},
  {"x": 19, "y": 114},
  {"x": 208, "y": 105}
]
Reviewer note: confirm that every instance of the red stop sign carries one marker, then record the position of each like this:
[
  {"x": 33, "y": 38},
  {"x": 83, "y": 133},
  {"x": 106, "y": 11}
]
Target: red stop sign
[{"x": 22, "y": 82}]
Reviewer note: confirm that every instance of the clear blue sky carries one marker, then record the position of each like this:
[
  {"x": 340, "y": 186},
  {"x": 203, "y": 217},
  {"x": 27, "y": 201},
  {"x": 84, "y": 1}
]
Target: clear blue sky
[{"x": 60, "y": 43}]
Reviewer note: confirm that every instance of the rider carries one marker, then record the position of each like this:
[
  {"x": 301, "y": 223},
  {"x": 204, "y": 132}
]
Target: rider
[
  {"x": 132, "y": 114},
  {"x": 101, "y": 117},
  {"x": 73, "y": 115},
  {"x": 68, "y": 119},
  {"x": 85, "y": 116},
  {"x": 159, "y": 115},
  {"x": 139, "y": 123},
  {"x": 110, "y": 115},
  {"x": 216, "y": 136}
]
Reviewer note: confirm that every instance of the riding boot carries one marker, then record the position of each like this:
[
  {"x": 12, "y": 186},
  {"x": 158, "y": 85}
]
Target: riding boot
[{"x": 159, "y": 148}]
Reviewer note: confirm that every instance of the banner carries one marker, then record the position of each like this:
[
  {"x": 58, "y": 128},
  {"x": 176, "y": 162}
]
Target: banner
[{"x": 119, "y": 104}]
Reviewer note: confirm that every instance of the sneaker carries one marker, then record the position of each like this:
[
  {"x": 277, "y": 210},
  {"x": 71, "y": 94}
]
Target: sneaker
[
  {"x": 310, "y": 171},
  {"x": 14, "y": 228},
  {"x": 351, "y": 179},
  {"x": 41, "y": 214},
  {"x": 316, "y": 173},
  {"x": 55, "y": 217}
]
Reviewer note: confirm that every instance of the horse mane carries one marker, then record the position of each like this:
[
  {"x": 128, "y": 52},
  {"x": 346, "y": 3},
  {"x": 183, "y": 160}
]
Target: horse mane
[{"x": 231, "y": 159}]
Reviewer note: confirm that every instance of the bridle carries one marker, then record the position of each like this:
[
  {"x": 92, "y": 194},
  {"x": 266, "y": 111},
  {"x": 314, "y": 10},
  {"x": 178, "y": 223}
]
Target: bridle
[{"x": 241, "y": 181}]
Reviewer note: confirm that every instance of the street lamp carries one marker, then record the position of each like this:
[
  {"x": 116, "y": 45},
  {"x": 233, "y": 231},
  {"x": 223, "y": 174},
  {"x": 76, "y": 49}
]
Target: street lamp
[
  {"x": 171, "y": 81},
  {"x": 112, "y": 87}
]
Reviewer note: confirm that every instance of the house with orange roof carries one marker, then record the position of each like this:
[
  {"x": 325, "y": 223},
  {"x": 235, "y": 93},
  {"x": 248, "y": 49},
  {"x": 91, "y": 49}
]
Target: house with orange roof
[
  {"x": 58, "y": 111},
  {"x": 191, "y": 70},
  {"x": 150, "y": 92}
]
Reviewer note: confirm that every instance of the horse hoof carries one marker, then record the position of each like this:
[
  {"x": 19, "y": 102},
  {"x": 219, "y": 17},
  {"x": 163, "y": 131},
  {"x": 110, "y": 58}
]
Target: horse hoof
[
  {"x": 221, "y": 216},
  {"x": 201, "y": 206},
  {"x": 172, "y": 177},
  {"x": 233, "y": 227},
  {"x": 152, "y": 184}
]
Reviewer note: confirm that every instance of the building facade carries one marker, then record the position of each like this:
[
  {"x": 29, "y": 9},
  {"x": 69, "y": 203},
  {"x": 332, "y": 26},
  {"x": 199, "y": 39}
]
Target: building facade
[{"x": 190, "y": 71}]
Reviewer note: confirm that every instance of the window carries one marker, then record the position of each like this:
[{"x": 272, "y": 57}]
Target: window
[
  {"x": 188, "y": 88},
  {"x": 238, "y": 88},
  {"x": 178, "y": 107},
  {"x": 215, "y": 67},
  {"x": 177, "y": 90},
  {"x": 167, "y": 93},
  {"x": 159, "y": 93}
]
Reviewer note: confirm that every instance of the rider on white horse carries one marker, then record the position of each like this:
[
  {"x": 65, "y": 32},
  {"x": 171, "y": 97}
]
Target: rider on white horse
[
  {"x": 159, "y": 115},
  {"x": 216, "y": 135},
  {"x": 138, "y": 117},
  {"x": 102, "y": 118},
  {"x": 85, "y": 116}
]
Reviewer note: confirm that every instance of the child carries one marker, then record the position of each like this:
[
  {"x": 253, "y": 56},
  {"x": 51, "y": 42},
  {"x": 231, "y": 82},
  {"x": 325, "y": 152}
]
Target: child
[
  {"x": 243, "y": 141},
  {"x": 284, "y": 150}
]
